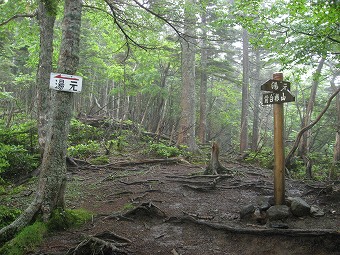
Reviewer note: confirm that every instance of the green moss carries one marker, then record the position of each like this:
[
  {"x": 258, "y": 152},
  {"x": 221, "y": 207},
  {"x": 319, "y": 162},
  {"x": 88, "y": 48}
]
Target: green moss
[
  {"x": 128, "y": 206},
  {"x": 100, "y": 160},
  {"x": 64, "y": 219},
  {"x": 26, "y": 241}
]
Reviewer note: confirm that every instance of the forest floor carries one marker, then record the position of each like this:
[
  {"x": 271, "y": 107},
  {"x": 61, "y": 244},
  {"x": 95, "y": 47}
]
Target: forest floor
[{"x": 171, "y": 208}]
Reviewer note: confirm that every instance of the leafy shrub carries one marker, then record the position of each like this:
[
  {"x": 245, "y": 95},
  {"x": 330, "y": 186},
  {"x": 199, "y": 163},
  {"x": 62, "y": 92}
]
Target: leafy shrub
[
  {"x": 264, "y": 157},
  {"x": 81, "y": 133},
  {"x": 163, "y": 150},
  {"x": 100, "y": 160},
  {"x": 18, "y": 148},
  {"x": 16, "y": 160},
  {"x": 24, "y": 134},
  {"x": 7, "y": 215},
  {"x": 84, "y": 150}
]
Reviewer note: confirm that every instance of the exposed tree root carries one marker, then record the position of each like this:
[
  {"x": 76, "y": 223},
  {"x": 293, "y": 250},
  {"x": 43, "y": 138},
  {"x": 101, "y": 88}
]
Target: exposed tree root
[
  {"x": 144, "y": 210},
  {"x": 95, "y": 246},
  {"x": 121, "y": 165},
  {"x": 8, "y": 232},
  {"x": 327, "y": 233}
]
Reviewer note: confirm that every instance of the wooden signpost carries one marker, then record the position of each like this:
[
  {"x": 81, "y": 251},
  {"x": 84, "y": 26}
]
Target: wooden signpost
[{"x": 280, "y": 93}]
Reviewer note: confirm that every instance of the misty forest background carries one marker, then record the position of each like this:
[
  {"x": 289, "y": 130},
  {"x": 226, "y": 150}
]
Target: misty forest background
[{"x": 134, "y": 56}]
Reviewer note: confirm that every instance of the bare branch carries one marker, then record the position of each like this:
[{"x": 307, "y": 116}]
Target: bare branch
[
  {"x": 16, "y": 16},
  {"x": 159, "y": 16},
  {"x": 127, "y": 37},
  {"x": 297, "y": 141}
]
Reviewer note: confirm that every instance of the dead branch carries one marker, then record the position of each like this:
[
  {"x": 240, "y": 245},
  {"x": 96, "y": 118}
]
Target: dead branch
[
  {"x": 306, "y": 128},
  {"x": 113, "y": 237},
  {"x": 16, "y": 16}
]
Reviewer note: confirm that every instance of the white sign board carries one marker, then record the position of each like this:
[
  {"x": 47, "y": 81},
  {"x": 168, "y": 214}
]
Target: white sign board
[{"x": 66, "y": 82}]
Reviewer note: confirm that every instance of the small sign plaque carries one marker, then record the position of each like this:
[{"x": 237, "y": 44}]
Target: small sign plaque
[
  {"x": 274, "y": 85},
  {"x": 277, "y": 97},
  {"x": 66, "y": 82}
]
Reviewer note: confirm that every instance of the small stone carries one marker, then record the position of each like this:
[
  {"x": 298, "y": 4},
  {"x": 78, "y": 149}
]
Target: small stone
[
  {"x": 260, "y": 216},
  {"x": 316, "y": 211},
  {"x": 263, "y": 202},
  {"x": 294, "y": 192},
  {"x": 247, "y": 210},
  {"x": 299, "y": 207},
  {"x": 278, "y": 224},
  {"x": 278, "y": 212}
]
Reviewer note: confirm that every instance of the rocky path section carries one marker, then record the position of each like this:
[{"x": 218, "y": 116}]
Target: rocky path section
[{"x": 157, "y": 208}]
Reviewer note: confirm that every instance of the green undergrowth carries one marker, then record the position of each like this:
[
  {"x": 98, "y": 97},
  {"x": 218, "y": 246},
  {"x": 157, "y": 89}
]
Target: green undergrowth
[
  {"x": 7, "y": 215},
  {"x": 32, "y": 236},
  {"x": 26, "y": 241}
]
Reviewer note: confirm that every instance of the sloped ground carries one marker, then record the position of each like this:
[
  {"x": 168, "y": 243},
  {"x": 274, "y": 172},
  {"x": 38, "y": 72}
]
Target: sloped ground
[{"x": 170, "y": 209}]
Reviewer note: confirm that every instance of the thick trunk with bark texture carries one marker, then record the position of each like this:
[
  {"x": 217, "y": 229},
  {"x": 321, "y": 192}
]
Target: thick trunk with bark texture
[
  {"x": 52, "y": 181},
  {"x": 46, "y": 24}
]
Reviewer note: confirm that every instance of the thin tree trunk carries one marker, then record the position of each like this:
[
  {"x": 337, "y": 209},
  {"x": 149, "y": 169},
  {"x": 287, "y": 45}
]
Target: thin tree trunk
[
  {"x": 204, "y": 82},
  {"x": 257, "y": 97},
  {"x": 336, "y": 152},
  {"x": 304, "y": 146},
  {"x": 303, "y": 130},
  {"x": 186, "y": 133},
  {"x": 245, "y": 94}
]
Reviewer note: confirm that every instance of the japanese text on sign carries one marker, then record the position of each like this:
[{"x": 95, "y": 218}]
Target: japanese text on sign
[{"x": 66, "y": 82}]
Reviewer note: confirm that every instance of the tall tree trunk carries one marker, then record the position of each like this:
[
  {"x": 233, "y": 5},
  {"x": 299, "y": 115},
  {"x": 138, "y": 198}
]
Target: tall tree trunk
[
  {"x": 336, "y": 153},
  {"x": 52, "y": 181},
  {"x": 46, "y": 20},
  {"x": 304, "y": 146},
  {"x": 204, "y": 81},
  {"x": 245, "y": 94},
  {"x": 257, "y": 97},
  {"x": 186, "y": 132}
]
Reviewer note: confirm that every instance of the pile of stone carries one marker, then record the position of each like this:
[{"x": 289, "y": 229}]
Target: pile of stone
[{"x": 265, "y": 212}]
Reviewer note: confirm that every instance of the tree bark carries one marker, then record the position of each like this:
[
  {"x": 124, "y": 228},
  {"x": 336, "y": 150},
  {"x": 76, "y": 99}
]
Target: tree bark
[
  {"x": 46, "y": 23},
  {"x": 336, "y": 153},
  {"x": 186, "y": 132},
  {"x": 204, "y": 82},
  {"x": 245, "y": 94},
  {"x": 52, "y": 180},
  {"x": 257, "y": 97}
]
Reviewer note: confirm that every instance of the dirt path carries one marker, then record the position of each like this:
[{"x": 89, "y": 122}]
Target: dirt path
[{"x": 169, "y": 209}]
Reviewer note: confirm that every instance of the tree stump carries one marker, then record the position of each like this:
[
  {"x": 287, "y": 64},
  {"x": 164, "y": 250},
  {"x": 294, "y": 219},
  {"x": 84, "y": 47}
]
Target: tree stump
[{"x": 214, "y": 167}]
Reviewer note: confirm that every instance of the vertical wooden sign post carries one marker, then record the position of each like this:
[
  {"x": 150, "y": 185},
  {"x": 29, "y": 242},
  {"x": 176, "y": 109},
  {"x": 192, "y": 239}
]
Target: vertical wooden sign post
[
  {"x": 279, "y": 156},
  {"x": 280, "y": 94}
]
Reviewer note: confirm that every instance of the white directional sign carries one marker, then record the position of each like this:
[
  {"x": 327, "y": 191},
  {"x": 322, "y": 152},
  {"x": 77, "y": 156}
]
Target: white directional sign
[{"x": 66, "y": 82}]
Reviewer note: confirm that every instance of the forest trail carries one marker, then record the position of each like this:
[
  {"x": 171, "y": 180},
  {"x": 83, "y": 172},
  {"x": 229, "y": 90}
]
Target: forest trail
[{"x": 172, "y": 209}]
